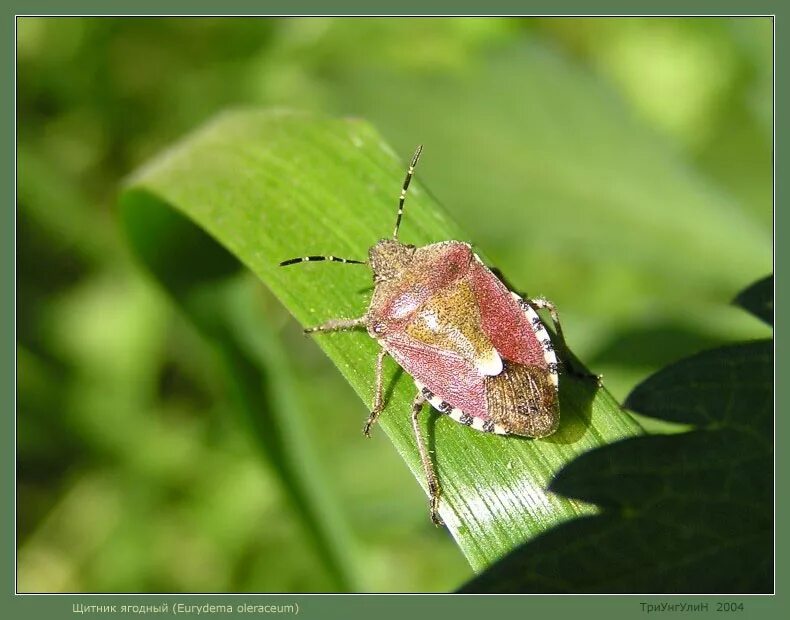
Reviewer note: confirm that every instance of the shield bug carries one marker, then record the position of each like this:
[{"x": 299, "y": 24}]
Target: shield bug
[{"x": 477, "y": 351}]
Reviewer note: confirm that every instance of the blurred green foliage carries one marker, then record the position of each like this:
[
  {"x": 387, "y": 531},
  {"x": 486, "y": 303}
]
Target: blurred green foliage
[{"x": 621, "y": 167}]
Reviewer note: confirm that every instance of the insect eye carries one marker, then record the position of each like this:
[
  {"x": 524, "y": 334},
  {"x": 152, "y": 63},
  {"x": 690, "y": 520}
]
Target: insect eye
[{"x": 378, "y": 328}]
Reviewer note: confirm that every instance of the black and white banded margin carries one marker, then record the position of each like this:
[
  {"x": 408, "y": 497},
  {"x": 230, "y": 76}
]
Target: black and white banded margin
[
  {"x": 442, "y": 406},
  {"x": 543, "y": 338}
]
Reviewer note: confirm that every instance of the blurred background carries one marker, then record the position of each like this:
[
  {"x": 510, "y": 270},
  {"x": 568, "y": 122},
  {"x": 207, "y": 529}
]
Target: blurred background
[{"x": 620, "y": 167}]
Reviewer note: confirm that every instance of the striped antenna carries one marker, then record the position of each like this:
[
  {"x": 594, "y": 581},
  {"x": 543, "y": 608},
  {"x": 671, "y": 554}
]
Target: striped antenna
[
  {"x": 409, "y": 174},
  {"x": 311, "y": 259}
]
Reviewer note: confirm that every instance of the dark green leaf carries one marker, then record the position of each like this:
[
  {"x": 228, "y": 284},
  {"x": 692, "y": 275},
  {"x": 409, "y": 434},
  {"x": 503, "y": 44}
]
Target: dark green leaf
[
  {"x": 728, "y": 387},
  {"x": 759, "y": 299}
]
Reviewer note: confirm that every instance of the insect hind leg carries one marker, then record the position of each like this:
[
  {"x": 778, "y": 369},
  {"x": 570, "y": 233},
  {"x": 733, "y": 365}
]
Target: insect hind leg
[{"x": 434, "y": 490}]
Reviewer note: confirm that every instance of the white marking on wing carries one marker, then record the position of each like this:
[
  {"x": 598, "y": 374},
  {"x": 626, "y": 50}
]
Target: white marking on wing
[{"x": 490, "y": 365}]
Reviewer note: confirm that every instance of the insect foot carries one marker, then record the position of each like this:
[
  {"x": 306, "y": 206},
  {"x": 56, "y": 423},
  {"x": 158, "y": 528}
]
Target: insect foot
[
  {"x": 437, "y": 520},
  {"x": 369, "y": 423},
  {"x": 580, "y": 373}
]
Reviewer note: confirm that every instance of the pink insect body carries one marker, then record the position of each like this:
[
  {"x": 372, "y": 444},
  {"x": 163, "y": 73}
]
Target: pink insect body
[
  {"x": 477, "y": 352},
  {"x": 460, "y": 333}
]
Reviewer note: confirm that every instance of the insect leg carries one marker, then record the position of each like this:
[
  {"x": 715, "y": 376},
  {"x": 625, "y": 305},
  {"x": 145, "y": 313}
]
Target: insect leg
[
  {"x": 543, "y": 303},
  {"x": 378, "y": 399},
  {"x": 427, "y": 465},
  {"x": 540, "y": 303},
  {"x": 337, "y": 325}
]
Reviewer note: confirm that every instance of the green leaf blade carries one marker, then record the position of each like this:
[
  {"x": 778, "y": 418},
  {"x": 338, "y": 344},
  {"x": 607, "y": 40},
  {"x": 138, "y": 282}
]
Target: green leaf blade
[{"x": 274, "y": 185}]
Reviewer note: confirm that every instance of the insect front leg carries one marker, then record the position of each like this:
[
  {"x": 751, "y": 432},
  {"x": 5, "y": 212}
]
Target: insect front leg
[
  {"x": 337, "y": 325},
  {"x": 434, "y": 491},
  {"x": 378, "y": 399},
  {"x": 540, "y": 303}
]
